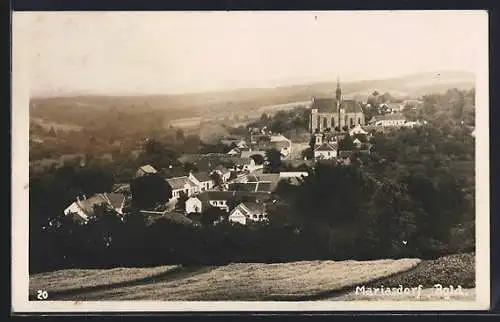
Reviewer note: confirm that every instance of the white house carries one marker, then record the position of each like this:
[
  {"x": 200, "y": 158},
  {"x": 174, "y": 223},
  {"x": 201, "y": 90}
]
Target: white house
[
  {"x": 247, "y": 212},
  {"x": 326, "y": 151},
  {"x": 182, "y": 184},
  {"x": 242, "y": 144},
  {"x": 84, "y": 207},
  {"x": 357, "y": 130},
  {"x": 218, "y": 199},
  {"x": 388, "y": 120},
  {"x": 202, "y": 179},
  {"x": 194, "y": 205}
]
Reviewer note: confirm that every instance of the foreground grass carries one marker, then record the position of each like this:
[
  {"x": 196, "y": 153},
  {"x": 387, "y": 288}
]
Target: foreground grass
[
  {"x": 256, "y": 281},
  {"x": 73, "y": 279},
  {"x": 455, "y": 270}
]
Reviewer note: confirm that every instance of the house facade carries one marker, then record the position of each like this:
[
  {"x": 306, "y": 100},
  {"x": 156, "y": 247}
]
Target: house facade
[
  {"x": 247, "y": 212},
  {"x": 194, "y": 205},
  {"x": 181, "y": 185},
  {"x": 388, "y": 120},
  {"x": 202, "y": 179},
  {"x": 326, "y": 151},
  {"x": 84, "y": 207}
]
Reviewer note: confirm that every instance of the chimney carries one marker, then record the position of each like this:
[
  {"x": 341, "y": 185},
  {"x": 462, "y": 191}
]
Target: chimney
[
  {"x": 78, "y": 198},
  {"x": 84, "y": 197}
]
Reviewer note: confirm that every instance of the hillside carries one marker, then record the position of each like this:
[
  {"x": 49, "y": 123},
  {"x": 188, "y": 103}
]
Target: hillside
[
  {"x": 247, "y": 100},
  {"x": 238, "y": 281}
]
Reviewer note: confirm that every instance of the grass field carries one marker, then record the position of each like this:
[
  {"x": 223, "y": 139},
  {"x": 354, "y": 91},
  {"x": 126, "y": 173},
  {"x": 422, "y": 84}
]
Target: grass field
[
  {"x": 455, "y": 270},
  {"x": 241, "y": 281},
  {"x": 74, "y": 279}
]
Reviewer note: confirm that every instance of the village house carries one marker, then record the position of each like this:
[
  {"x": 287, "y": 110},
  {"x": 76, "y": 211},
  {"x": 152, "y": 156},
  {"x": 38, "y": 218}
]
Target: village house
[
  {"x": 84, "y": 207},
  {"x": 145, "y": 170},
  {"x": 194, "y": 205},
  {"x": 182, "y": 185},
  {"x": 326, "y": 151},
  {"x": 388, "y": 120},
  {"x": 245, "y": 164},
  {"x": 357, "y": 130},
  {"x": 202, "y": 179},
  {"x": 242, "y": 144},
  {"x": 247, "y": 212},
  {"x": 222, "y": 199}
]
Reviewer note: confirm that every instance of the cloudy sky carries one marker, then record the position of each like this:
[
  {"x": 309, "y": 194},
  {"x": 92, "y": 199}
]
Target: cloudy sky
[{"x": 176, "y": 52}]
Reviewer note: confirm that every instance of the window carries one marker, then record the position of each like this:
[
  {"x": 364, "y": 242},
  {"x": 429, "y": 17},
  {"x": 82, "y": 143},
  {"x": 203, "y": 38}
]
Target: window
[
  {"x": 351, "y": 121},
  {"x": 325, "y": 123},
  {"x": 359, "y": 120},
  {"x": 328, "y": 153},
  {"x": 333, "y": 123},
  {"x": 319, "y": 121}
]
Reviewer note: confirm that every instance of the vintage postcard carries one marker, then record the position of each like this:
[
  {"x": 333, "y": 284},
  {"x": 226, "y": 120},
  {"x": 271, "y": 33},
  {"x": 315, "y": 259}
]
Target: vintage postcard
[{"x": 250, "y": 161}]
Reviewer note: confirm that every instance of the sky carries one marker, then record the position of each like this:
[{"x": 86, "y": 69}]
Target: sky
[{"x": 126, "y": 53}]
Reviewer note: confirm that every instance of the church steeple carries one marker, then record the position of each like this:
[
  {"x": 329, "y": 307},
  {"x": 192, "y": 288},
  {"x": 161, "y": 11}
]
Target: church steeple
[{"x": 338, "y": 92}]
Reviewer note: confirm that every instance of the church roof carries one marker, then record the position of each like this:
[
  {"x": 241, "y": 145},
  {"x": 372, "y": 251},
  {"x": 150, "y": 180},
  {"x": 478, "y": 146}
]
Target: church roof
[{"x": 329, "y": 105}]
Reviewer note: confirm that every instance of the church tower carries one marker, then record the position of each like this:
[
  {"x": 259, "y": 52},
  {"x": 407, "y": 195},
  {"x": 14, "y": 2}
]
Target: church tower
[{"x": 340, "y": 110}]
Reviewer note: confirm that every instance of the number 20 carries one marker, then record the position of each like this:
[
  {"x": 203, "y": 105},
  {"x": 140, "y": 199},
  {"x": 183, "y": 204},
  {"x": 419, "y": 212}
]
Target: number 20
[{"x": 42, "y": 295}]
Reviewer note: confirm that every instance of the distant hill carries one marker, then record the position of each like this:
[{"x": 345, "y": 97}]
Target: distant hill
[{"x": 247, "y": 100}]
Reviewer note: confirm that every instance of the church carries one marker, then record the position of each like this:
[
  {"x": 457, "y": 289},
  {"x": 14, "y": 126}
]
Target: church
[{"x": 328, "y": 114}]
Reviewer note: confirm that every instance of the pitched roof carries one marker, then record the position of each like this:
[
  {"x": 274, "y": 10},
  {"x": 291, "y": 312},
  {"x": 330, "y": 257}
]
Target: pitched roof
[
  {"x": 264, "y": 186},
  {"x": 120, "y": 187},
  {"x": 178, "y": 182},
  {"x": 329, "y": 105},
  {"x": 148, "y": 169},
  {"x": 240, "y": 160},
  {"x": 248, "y": 154},
  {"x": 222, "y": 169},
  {"x": 202, "y": 176},
  {"x": 116, "y": 200},
  {"x": 327, "y": 147},
  {"x": 279, "y": 138},
  {"x": 252, "y": 207},
  {"x": 88, "y": 204}
]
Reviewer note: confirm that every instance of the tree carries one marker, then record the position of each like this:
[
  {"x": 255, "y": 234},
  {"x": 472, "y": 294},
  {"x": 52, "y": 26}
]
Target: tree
[
  {"x": 307, "y": 153},
  {"x": 149, "y": 190},
  {"x": 180, "y": 205},
  {"x": 217, "y": 178},
  {"x": 211, "y": 215},
  {"x": 346, "y": 144},
  {"x": 190, "y": 167},
  {"x": 273, "y": 164},
  {"x": 258, "y": 159}
]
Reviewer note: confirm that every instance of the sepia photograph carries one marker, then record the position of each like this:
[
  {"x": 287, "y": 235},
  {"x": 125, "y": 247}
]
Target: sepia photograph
[{"x": 250, "y": 161}]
